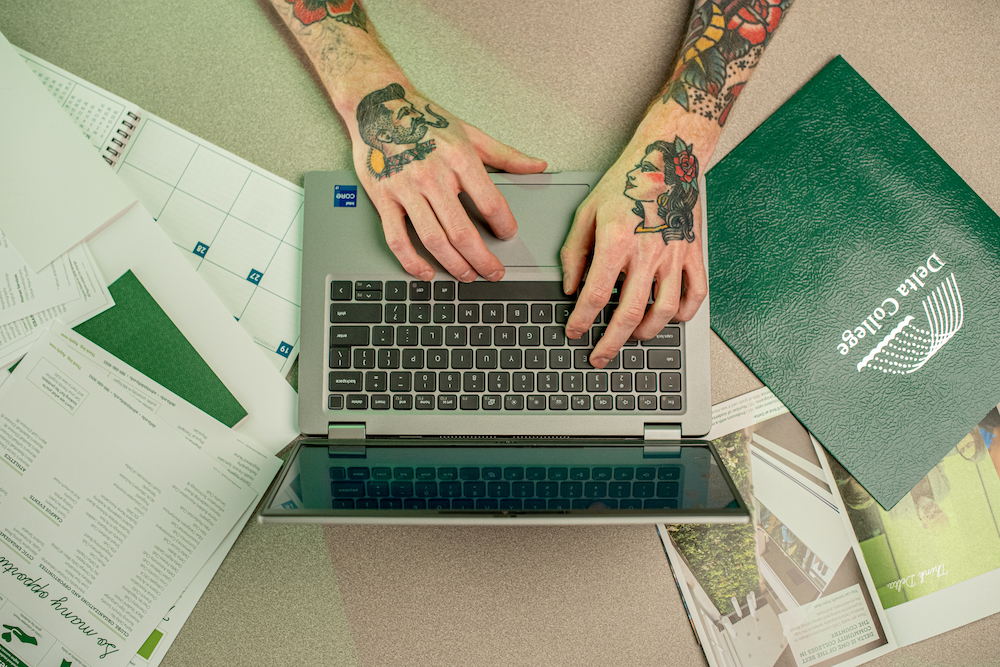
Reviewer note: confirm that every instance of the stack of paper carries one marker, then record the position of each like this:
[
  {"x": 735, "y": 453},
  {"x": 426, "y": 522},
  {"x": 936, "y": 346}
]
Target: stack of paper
[{"x": 115, "y": 494}]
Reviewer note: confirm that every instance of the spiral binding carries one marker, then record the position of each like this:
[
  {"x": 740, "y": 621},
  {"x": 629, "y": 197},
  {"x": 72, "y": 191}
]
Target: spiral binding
[{"x": 119, "y": 138}]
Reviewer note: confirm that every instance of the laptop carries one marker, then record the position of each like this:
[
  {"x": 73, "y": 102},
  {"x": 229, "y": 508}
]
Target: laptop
[{"x": 465, "y": 403}]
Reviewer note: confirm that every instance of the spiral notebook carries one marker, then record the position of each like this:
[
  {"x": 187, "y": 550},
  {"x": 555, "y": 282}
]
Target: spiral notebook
[{"x": 238, "y": 225}]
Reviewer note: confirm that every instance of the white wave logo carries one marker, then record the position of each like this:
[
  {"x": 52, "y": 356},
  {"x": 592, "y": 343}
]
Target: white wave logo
[{"x": 907, "y": 347}]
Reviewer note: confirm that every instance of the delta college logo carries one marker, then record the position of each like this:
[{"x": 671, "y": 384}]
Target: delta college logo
[{"x": 915, "y": 338}]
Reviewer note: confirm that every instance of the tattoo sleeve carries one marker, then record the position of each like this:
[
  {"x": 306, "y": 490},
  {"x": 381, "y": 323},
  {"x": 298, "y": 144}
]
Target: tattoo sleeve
[{"x": 724, "y": 42}]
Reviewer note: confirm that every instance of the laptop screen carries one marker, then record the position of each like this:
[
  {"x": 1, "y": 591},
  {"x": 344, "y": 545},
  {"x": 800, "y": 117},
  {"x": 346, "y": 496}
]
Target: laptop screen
[{"x": 395, "y": 481}]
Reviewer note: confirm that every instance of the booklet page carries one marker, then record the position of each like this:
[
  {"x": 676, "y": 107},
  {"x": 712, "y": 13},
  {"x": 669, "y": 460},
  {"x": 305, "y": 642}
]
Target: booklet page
[{"x": 106, "y": 512}]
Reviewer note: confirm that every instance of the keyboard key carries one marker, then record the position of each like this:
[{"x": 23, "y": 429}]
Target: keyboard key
[
  {"x": 432, "y": 336},
  {"x": 437, "y": 358},
  {"x": 419, "y": 313},
  {"x": 469, "y": 402},
  {"x": 338, "y": 473},
  {"x": 536, "y": 402},
  {"x": 340, "y": 290},
  {"x": 509, "y": 504},
  {"x": 390, "y": 504},
  {"x": 480, "y": 336},
  {"x": 348, "y": 336},
  {"x": 395, "y": 290},
  {"x": 388, "y": 357},
  {"x": 571, "y": 489},
  {"x": 643, "y": 489},
  {"x": 601, "y": 474},
  {"x": 562, "y": 312},
  {"x": 335, "y": 402},
  {"x": 492, "y": 473},
  {"x": 548, "y": 382},
  {"x": 400, "y": 381},
  {"x": 645, "y": 473},
  {"x": 522, "y": 383},
  {"x": 559, "y": 504},
  {"x": 579, "y": 473},
  {"x": 625, "y": 402},
  {"x": 406, "y": 336},
  {"x": 534, "y": 504},
  {"x": 444, "y": 290},
  {"x": 513, "y": 402},
  {"x": 402, "y": 402},
  {"x": 474, "y": 382},
  {"x": 449, "y": 474},
  {"x": 368, "y": 286},
  {"x": 450, "y": 489},
  {"x": 517, "y": 313},
  {"x": 572, "y": 382},
  {"x": 356, "y": 313},
  {"x": 382, "y": 336},
  {"x": 462, "y": 359},
  {"x": 603, "y": 402},
  {"x": 510, "y": 359},
  {"x": 425, "y": 381},
  {"x": 345, "y": 381},
  {"x": 620, "y": 489},
  {"x": 487, "y": 359},
  {"x": 645, "y": 381},
  {"x": 492, "y": 313},
  {"x": 670, "y": 402},
  {"x": 553, "y": 336},
  {"x": 367, "y": 296},
  {"x": 364, "y": 357},
  {"x": 647, "y": 402},
  {"x": 414, "y": 504},
  {"x": 558, "y": 402},
  {"x": 547, "y": 489},
  {"x": 498, "y": 382},
  {"x": 403, "y": 473},
  {"x": 667, "y": 489},
  {"x": 438, "y": 504},
  {"x": 534, "y": 359},
  {"x": 456, "y": 336},
  {"x": 395, "y": 313},
  {"x": 357, "y": 402},
  {"x": 597, "y": 382},
  {"x": 425, "y": 489},
  {"x": 541, "y": 313},
  {"x": 343, "y": 504},
  {"x": 425, "y": 401},
  {"x": 498, "y": 489},
  {"x": 595, "y": 489},
  {"x": 401, "y": 489},
  {"x": 667, "y": 473},
  {"x": 630, "y": 504},
  {"x": 340, "y": 357},
  {"x": 534, "y": 473},
  {"x": 579, "y": 402},
  {"x": 511, "y": 290},
  {"x": 670, "y": 382},
  {"x": 380, "y": 401},
  {"x": 504, "y": 336},
  {"x": 413, "y": 358},
  {"x": 668, "y": 337},
  {"x": 420, "y": 290},
  {"x": 443, "y": 313},
  {"x": 665, "y": 358},
  {"x": 561, "y": 358},
  {"x": 378, "y": 489},
  {"x": 487, "y": 504},
  {"x": 358, "y": 473},
  {"x": 449, "y": 381},
  {"x": 382, "y": 473},
  {"x": 623, "y": 474},
  {"x": 529, "y": 336},
  {"x": 621, "y": 382},
  {"x": 582, "y": 341},
  {"x": 522, "y": 489},
  {"x": 558, "y": 474},
  {"x": 632, "y": 359},
  {"x": 492, "y": 402},
  {"x": 468, "y": 313}
]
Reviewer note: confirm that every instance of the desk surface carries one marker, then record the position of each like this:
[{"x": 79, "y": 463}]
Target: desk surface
[{"x": 567, "y": 86}]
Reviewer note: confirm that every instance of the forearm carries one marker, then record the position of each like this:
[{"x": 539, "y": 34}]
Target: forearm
[
  {"x": 343, "y": 47},
  {"x": 723, "y": 44}
]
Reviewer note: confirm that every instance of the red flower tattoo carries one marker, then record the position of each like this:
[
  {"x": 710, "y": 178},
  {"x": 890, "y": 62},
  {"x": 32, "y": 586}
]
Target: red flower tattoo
[
  {"x": 757, "y": 21},
  {"x": 310, "y": 11},
  {"x": 686, "y": 166}
]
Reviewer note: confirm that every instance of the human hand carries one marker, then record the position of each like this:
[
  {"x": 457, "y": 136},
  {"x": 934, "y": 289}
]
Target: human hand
[
  {"x": 643, "y": 220},
  {"x": 413, "y": 159}
]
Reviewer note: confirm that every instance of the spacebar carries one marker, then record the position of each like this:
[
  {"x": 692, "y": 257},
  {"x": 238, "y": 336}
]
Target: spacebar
[{"x": 512, "y": 290}]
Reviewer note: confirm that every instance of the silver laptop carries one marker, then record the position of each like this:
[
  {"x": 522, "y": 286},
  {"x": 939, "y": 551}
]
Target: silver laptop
[{"x": 444, "y": 402}]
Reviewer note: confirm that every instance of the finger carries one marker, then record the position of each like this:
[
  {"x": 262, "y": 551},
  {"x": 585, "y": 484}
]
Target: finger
[
  {"x": 436, "y": 240},
  {"x": 465, "y": 237},
  {"x": 490, "y": 203},
  {"x": 664, "y": 305},
  {"x": 394, "y": 225},
  {"x": 573, "y": 254},
  {"x": 695, "y": 291},
  {"x": 502, "y": 156},
  {"x": 595, "y": 294},
  {"x": 630, "y": 312}
]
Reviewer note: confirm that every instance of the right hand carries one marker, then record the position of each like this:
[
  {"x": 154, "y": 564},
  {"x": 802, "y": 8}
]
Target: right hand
[{"x": 414, "y": 159}]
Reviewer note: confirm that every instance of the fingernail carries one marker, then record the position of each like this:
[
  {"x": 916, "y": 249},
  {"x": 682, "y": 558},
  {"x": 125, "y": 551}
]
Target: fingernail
[
  {"x": 426, "y": 275},
  {"x": 598, "y": 362},
  {"x": 496, "y": 275},
  {"x": 468, "y": 276}
]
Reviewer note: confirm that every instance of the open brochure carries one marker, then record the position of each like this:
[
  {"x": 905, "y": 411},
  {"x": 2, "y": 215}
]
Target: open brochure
[{"x": 823, "y": 575}]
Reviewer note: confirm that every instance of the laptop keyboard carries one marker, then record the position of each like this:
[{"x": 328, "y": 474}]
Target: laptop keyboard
[
  {"x": 414, "y": 345},
  {"x": 505, "y": 487}
]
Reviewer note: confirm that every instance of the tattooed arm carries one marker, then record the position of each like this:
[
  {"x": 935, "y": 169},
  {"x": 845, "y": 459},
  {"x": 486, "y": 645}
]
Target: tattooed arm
[
  {"x": 412, "y": 157},
  {"x": 641, "y": 219}
]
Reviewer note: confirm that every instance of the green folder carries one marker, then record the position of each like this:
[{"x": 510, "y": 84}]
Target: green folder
[
  {"x": 137, "y": 331},
  {"x": 859, "y": 277}
]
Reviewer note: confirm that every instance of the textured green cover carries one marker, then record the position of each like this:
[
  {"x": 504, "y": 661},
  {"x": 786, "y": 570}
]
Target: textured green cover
[
  {"x": 816, "y": 221},
  {"x": 137, "y": 331}
]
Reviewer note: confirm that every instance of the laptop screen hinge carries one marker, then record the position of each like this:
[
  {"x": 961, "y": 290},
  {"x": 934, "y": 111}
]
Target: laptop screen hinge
[
  {"x": 354, "y": 431},
  {"x": 661, "y": 432}
]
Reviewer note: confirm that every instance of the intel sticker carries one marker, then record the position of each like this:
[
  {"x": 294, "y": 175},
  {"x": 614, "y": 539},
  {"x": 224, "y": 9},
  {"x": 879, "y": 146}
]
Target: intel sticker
[{"x": 345, "y": 195}]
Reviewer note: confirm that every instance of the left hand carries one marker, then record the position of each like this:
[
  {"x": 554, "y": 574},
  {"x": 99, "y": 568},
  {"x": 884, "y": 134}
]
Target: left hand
[{"x": 608, "y": 220}]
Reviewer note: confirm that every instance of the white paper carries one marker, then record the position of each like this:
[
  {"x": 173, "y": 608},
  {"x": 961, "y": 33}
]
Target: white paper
[
  {"x": 16, "y": 337},
  {"x": 243, "y": 459},
  {"x": 104, "y": 507},
  {"x": 136, "y": 243},
  {"x": 239, "y": 226},
  {"x": 55, "y": 190},
  {"x": 23, "y": 291}
]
